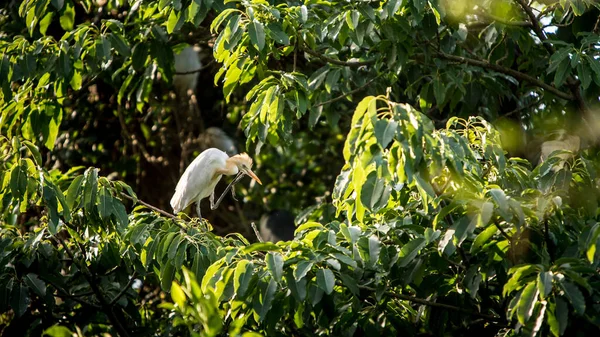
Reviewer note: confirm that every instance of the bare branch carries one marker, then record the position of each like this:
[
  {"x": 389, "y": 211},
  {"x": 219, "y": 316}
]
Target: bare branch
[
  {"x": 337, "y": 62},
  {"x": 124, "y": 290},
  {"x": 87, "y": 274},
  {"x": 256, "y": 232},
  {"x": 439, "y": 305},
  {"x": 508, "y": 71},
  {"x": 335, "y": 99},
  {"x": 503, "y": 20},
  {"x": 196, "y": 70}
]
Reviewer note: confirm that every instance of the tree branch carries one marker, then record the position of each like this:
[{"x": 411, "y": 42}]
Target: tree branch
[
  {"x": 87, "y": 274},
  {"x": 572, "y": 83},
  {"x": 335, "y": 99},
  {"x": 438, "y": 305},
  {"x": 516, "y": 74},
  {"x": 256, "y": 232},
  {"x": 337, "y": 62},
  {"x": 196, "y": 70},
  {"x": 504, "y": 21},
  {"x": 156, "y": 209},
  {"x": 124, "y": 290}
]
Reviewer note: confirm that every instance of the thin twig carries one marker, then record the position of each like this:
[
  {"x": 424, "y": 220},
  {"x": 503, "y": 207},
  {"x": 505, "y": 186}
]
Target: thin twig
[
  {"x": 87, "y": 274},
  {"x": 196, "y": 70},
  {"x": 338, "y": 62},
  {"x": 508, "y": 237},
  {"x": 124, "y": 290},
  {"x": 154, "y": 208},
  {"x": 335, "y": 99},
  {"x": 508, "y": 71},
  {"x": 572, "y": 83},
  {"x": 438, "y": 305},
  {"x": 73, "y": 297},
  {"x": 260, "y": 239},
  {"x": 504, "y": 21}
]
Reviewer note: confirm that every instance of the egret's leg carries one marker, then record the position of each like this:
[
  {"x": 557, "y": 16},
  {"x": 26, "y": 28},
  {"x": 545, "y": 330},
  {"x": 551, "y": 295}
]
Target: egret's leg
[
  {"x": 233, "y": 192},
  {"x": 198, "y": 210},
  {"x": 214, "y": 205}
]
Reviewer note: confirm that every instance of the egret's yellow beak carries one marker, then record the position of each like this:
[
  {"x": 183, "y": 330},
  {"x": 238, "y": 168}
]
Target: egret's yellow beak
[{"x": 252, "y": 175}]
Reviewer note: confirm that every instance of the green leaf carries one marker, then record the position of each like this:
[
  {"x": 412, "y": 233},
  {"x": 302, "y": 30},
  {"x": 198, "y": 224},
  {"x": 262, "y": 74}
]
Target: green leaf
[
  {"x": 483, "y": 238},
  {"x": 172, "y": 251},
  {"x": 58, "y": 4},
  {"x": 120, "y": 212},
  {"x": 350, "y": 283},
  {"x": 275, "y": 265},
  {"x": 501, "y": 199},
  {"x": 261, "y": 246},
  {"x": 527, "y": 302},
  {"x": 58, "y": 331},
  {"x": 410, "y": 250},
  {"x": 544, "y": 283},
  {"x": 385, "y": 131},
  {"x": 562, "y": 315},
  {"x": 374, "y": 249},
  {"x": 19, "y": 300},
  {"x": 325, "y": 280},
  {"x": 67, "y": 19},
  {"x": 73, "y": 191},
  {"x": 584, "y": 73},
  {"x": 120, "y": 44},
  {"x": 267, "y": 299},
  {"x": 242, "y": 276},
  {"x": 139, "y": 57},
  {"x": 90, "y": 189},
  {"x": 277, "y": 34},
  {"x": 562, "y": 72},
  {"x": 301, "y": 269},
  {"x": 439, "y": 91},
  {"x": 257, "y": 34},
  {"x": 18, "y": 180},
  {"x": 575, "y": 297},
  {"x": 352, "y": 18},
  {"x": 175, "y": 21},
  {"x": 167, "y": 274},
  {"x": 375, "y": 194},
  {"x": 178, "y": 295},
  {"x": 105, "y": 206},
  {"x": 34, "y": 282}
]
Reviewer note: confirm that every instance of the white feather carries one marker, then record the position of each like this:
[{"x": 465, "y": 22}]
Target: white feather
[{"x": 198, "y": 181}]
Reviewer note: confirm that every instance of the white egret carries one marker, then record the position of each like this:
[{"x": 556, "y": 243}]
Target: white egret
[
  {"x": 202, "y": 175},
  {"x": 188, "y": 65},
  {"x": 216, "y": 137}
]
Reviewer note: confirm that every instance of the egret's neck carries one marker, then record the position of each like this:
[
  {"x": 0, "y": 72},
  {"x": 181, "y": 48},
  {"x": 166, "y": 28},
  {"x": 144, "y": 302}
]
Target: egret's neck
[{"x": 230, "y": 168}]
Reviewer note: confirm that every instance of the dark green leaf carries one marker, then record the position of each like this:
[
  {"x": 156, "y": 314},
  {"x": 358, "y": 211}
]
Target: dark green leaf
[
  {"x": 257, "y": 34},
  {"x": 325, "y": 280},
  {"x": 58, "y": 331},
  {"x": 301, "y": 269},
  {"x": 73, "y": 191},
  {"x": 385, "y": 131},
  {"x": 37, "y": 285},
  {"x": 527, "y": 302},
  {"x": 275, "y": 265},
  {"x": 410, "y": 250},
  {"x": 575, "y": 297},
  {"x": 19, "y": 299}
]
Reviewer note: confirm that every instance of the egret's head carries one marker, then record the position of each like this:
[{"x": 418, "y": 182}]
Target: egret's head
[{"x": 244, "y": 164}]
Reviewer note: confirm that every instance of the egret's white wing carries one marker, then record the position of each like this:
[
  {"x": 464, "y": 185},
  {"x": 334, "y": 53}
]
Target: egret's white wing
[{"x": 199, "y": 180}]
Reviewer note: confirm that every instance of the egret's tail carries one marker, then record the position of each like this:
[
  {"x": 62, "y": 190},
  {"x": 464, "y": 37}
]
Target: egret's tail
[{"x": 177, "y": 201}]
